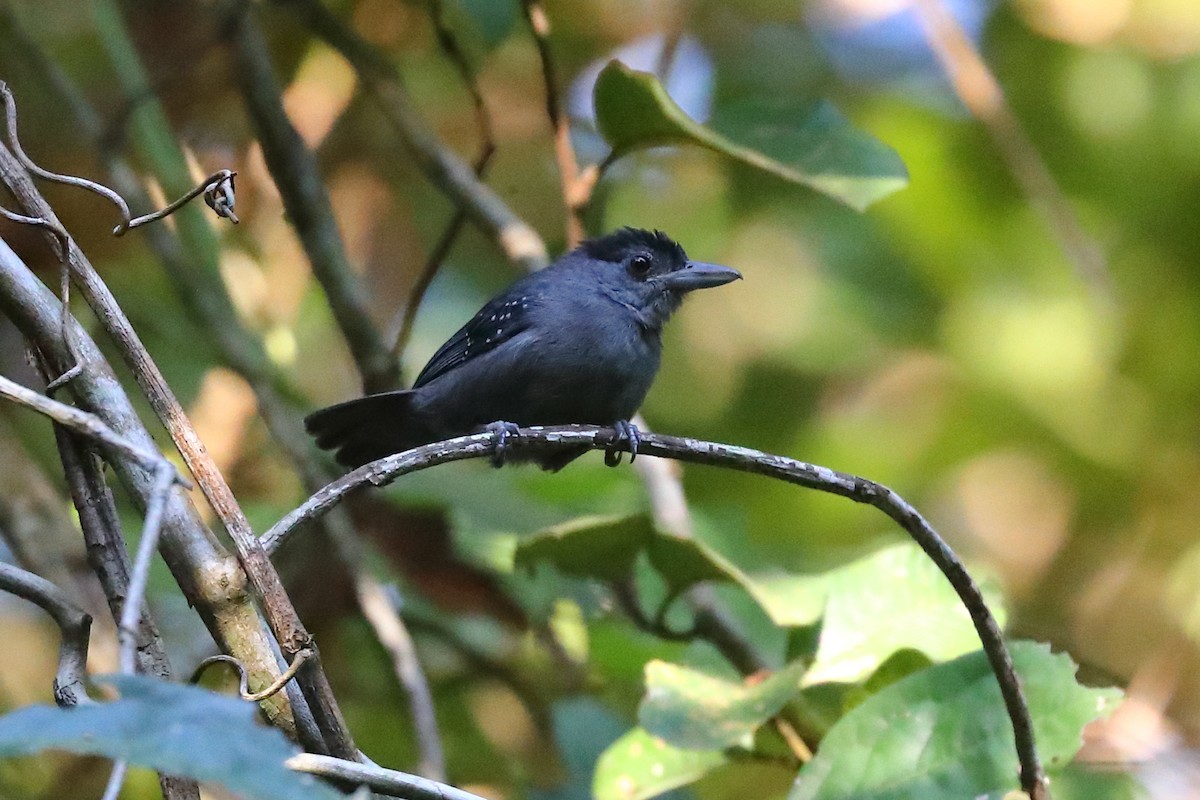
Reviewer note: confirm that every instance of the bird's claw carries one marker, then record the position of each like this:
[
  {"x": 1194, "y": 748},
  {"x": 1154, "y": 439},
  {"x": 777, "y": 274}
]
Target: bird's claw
[
  {"x": 503, "y": 430},
  {"x": 626, "y": 437}
]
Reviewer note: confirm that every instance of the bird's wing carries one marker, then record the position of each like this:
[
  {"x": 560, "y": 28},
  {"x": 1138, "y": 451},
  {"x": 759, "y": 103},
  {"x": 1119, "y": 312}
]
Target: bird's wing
[{"x": 500, "y": 320}]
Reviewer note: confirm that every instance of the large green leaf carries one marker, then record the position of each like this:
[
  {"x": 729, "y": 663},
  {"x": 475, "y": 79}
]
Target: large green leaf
[
  {"x": 695, "y": 711},
  {"x": 176, "y": 729},
  {"x": 893, "y": 599},
  {"x": 814, "y": 146},
  {"x": 640, "y": 765},
  {"x": 942, "y": 733}
]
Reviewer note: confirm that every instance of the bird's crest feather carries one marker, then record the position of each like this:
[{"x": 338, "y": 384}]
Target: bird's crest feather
[{"x": 617, "y": 245}]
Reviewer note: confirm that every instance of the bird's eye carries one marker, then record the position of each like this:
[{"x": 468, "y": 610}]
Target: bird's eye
[{"x": 639, "y": 266}]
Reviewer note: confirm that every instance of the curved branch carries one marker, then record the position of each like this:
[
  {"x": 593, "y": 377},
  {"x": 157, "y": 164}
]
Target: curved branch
[
  {"x": 280, "y": 613},
  {"x": 165, "y": 476},
  {"x": 389, "y": 781},
  {"x": 244, "y": 676},
  {"x": 74, "y": 625},
  {"x": 64, "y": 292},
  {"x": 217, "y": 188},
  {"x": 743, "y": 459}
]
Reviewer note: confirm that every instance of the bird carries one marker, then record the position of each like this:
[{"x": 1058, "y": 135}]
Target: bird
[{"x": 578, "y": 342}]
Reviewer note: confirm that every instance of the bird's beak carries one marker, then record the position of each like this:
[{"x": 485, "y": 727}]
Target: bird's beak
[{"x": 699, "y": 275}]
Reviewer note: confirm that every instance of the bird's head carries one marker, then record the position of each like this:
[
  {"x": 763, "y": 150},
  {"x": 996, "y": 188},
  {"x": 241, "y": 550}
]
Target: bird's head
[{"x": 649, "y": 272}]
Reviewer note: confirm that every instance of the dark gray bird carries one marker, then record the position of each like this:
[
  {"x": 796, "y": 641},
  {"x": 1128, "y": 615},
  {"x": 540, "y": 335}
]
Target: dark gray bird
[{"x": 577, "y": 342}]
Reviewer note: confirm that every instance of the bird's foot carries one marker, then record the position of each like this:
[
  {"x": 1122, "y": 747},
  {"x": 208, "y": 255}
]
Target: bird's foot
[
  {"x": 627, "y": 437},
  {"x": 503, "y": 430}
]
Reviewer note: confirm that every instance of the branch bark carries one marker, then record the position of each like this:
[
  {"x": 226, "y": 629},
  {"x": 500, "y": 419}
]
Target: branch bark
[
  {"x": 188, "y": 264},
  {"x": 206, "y": 574},
  {"x": 70, "y": 680},
  {"x": 281, "y": 616},
  {"x": 541, "y": 440},
  {"x": 109, "y": 560},
  {"x": 388, "y": 781}
]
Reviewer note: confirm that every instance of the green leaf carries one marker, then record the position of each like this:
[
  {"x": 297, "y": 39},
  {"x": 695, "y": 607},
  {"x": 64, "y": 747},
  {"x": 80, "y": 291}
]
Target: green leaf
[
  {"x": 893, "y": 599},
  {"x": 695, "y": 711},
  {"x": 176, "y": 729},
  {"x": 815, "y": 146},
  {"x": 604, "y": 548},
  {"x": 640, "y": 765},
  {"x": 607, "y": 549},
  {"x": 943, "y": 732},
  {"x": 898, "y": 665}
]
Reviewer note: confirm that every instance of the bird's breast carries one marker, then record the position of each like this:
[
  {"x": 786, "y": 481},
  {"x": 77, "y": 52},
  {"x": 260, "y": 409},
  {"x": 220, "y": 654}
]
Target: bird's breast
[{"x": 597, "y": 372}]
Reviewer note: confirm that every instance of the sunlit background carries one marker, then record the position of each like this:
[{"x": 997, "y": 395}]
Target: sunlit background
[{"x": 949, "y": 342}]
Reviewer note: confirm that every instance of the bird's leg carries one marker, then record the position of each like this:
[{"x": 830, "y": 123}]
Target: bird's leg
[
  {"x": 502, "y": 430},
  {"x": 626, "y": 437}
]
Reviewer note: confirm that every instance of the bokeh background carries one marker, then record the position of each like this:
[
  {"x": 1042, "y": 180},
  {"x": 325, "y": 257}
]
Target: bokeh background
[{"x": 1018, "y": 359}]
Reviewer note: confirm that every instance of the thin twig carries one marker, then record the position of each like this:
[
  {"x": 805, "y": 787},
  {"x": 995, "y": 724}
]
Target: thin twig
[
  {"x": 165, "y": 476},
  {"x": 218, "y": 195},
  {"x": 205, "y": 297},
  {"x": 671, "y": 39},
  {"x": 131, "y": 612},
  {"x": 404, "y": 320},
  {"x": 519, "y": 242},
  {"x": 406, "y": 317},
  {"x": 981, "y": 93},
  {"x": 564, "y": 152},
  {"x": 388, "y": 781},
  {"x": 795, "y": 742},
  {"x": 217, "y": 188},
  {"x": 74, "y": 626},
  {"x": 294, "y": 168},
  {"x": 244, "y": 677},
  {"x": 64, "y": 291},
  {"x": 390, "y": 630},
  {"x": 109, "y": 560},
  {"x": 393, "y": 634},
  {"x": 528, "y": 692},
  {"x": 115, "y": 778},
  {"x": 448, "y": 42},
  {"x": 549, "y": 439},
  {"x": 88, "y": 424}
]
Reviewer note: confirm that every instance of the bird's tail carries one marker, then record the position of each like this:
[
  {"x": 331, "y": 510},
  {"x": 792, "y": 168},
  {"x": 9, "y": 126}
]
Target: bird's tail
[{"x": 367, "y": 428}]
